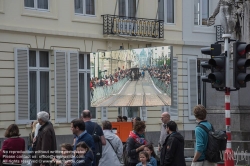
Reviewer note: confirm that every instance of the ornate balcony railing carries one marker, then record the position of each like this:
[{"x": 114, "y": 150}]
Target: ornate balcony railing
[
  {"x": 132, "y": 26},
  {"x": 219, "y": 32}
]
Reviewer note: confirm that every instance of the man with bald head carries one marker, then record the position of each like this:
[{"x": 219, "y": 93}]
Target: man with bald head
[
  {"x": 94, "y": 129},
  {"x": 165, "y": 118}
]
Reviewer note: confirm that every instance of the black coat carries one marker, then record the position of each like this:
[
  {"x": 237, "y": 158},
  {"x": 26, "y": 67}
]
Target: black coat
[
  {"x": 133, "y": 156},
  {"x": 172, "y": 152}
]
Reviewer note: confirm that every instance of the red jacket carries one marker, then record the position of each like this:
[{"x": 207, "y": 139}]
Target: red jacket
[{"x": 11, "y": 151}]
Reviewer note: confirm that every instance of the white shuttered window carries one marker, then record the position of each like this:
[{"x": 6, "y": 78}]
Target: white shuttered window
[
  {"x": 174, "y": 90},
  {"x": 32, "y": 85},
  {"x": 66, "y": 86},
  {"x": 72, "y": 92},
  {"x": 192, "y": 86},
  {"x": 73, "y": 85},
  {"x": 21, "y": 86},
  {"x": 60, "y": 86}
]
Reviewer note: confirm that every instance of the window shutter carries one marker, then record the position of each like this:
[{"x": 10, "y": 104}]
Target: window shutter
[
  {"x": 143, "y": 113},
  {"x": 104, "y": 113},
  {"x": 21, "y": 86},
  {"x": 60, "y": 87},
  {"x": 174, "y": 91},
  {"x": 192, "y": 85},
  {"x": 73, "y": 86}
]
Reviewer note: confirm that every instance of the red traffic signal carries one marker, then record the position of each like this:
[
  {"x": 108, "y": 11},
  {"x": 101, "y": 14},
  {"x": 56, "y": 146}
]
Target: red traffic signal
[{"x": 241, "y": 49}]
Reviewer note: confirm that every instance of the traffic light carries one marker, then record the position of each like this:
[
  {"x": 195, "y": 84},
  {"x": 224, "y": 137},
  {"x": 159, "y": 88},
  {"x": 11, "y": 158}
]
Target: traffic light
[
  {"x": 240, "y": 77},
  {"x": 216, "y": 64}
]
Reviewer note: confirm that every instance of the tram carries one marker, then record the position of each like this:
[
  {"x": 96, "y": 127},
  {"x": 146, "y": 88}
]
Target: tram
[{"x": 135, "y": 72}]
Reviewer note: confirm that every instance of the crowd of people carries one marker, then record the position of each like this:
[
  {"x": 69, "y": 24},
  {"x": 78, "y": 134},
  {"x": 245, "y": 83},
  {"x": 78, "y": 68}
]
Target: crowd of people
[
  {"x": 94, "y": 145},
  {"x": 162, "y": 73},
  {"x": 107, "y": 80}
]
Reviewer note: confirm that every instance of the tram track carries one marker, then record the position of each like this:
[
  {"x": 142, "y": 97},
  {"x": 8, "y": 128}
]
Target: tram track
[
  {"x": 139, "y": 93},
  {"x": 133, "y": 96}
]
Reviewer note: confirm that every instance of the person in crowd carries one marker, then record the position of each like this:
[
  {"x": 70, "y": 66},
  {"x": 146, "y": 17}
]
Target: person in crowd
[
  {"x": 172, "y": 151},
  {"x": 113, "y": 150},
  {"x": 94, "y": 129},
  {"x": 136, "y": 119},
  {"x": 78, "y": 129},
  {"x": 124, "y": 119},
  {"x": 66, "y": 154},
  {"x": 13, "y": 143},
  {"x": 45, "y": 142},
  {"x": 201, "y": 137},
  {"x": 83, "y": 155},
  {"x": 142, "y": 73},
  {"x": 119, "y": 118},
  {"x": 144, "y": 158},
  {"x": 150, "y": 150},
  {"x": 136, "y": 143},
  {"x": 165, "y": 118},
  {"x": 32, "y": 134},
  {"x": 38, "y": 127},
  {"x": 132, "y": 75}
]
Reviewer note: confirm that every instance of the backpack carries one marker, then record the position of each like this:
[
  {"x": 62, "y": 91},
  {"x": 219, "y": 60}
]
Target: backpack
[
  {"x": 98, "y": 144},
  {"x": 217, "y": 142},
  {"x": 125, "y": 155}
]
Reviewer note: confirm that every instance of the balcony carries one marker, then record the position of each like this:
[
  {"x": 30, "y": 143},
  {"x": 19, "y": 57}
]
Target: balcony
[{"x": 132, "y": 26}]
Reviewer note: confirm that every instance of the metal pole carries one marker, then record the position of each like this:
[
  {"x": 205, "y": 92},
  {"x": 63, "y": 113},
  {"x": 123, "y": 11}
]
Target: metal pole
[{"x": 229, "y": 156}]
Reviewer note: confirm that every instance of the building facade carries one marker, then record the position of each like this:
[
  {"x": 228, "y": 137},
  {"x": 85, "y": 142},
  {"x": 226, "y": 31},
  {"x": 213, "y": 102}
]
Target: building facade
[{"x": 45, "y": 49}]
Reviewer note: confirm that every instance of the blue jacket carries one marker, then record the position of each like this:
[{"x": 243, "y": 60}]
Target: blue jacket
[
  {"x": 153, "y": 161},
  {"x": 87, "y": 138},
  {"x": 85, "y": 161},
  {"x": 140, "y": 164},
  {"x": 202, "y": 139}
]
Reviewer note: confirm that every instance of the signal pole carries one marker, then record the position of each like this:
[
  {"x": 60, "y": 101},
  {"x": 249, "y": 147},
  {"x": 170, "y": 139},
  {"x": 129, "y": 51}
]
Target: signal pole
[{"x": 228, "y": 156}]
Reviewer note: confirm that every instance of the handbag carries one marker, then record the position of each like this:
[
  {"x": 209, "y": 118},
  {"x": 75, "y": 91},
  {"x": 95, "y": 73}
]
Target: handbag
[{"x": 114, "y": 150}]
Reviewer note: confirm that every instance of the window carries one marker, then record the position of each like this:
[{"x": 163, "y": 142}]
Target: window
[
  {"x": 32, "y": 80},
  {"x": 85, "y": 7},
  {"x": 166, "y": 11},
  {"x": 127, "y": 8},
  {"x": 37, "y": 4},
  {"x": 84, "y": 84},
  {"x": 169, "y": 14},
  {"x": 132, "y": 111},
  {"x": 38, "y": 82},
  {"x": 201, "y": 12},
  {"x": 72, "y": 92}
]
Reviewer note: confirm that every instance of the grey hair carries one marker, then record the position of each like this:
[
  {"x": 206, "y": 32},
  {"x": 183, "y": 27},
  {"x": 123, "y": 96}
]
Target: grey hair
[{"x": 44, "y": 116}]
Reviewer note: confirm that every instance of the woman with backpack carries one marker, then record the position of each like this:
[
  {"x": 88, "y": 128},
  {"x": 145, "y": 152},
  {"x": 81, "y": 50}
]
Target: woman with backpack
[{"x": 136, "y": 143}]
